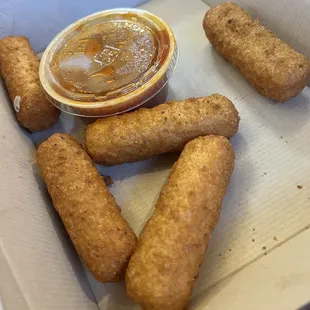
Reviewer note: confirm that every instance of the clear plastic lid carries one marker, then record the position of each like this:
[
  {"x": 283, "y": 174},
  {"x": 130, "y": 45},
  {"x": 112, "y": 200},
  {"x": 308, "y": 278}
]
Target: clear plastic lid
[{"x": 108, "y": 62}]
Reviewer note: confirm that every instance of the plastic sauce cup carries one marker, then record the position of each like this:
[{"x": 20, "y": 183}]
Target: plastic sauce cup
[{"x": 108, "y": 63}]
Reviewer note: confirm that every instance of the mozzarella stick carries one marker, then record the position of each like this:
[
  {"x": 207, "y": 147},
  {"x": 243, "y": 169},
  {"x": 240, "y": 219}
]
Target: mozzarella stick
[
  {"x": 274, "y": 68},
  {"x": 93, "y": 220},
  {"x": 163, "y": 269},
  {"x": 166, "y": 128},
  {"x": 20, "y": 72}
]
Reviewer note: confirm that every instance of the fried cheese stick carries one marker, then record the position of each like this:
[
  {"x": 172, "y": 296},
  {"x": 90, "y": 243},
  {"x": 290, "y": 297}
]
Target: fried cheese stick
[
  {"x": 101, "y": 236},
  {"x": 20, "y": 72},
  {"x": 163, "y": 269},
  {"x": 274, "y": 68},
  {"x": 166, "y": 128}
]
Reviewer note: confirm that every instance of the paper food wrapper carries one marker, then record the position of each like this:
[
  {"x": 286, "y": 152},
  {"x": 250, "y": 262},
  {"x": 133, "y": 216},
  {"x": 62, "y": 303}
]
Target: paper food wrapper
[{"x": 266, "y": 205}]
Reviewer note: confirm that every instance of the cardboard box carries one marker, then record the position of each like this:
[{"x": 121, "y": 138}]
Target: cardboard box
[{"x": 259, "y": 253}]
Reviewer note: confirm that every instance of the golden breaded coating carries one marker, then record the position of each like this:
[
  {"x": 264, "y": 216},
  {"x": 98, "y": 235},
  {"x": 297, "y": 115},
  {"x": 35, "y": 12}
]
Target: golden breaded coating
[
  {"x": 274, "y": 68},
  {"x": 93, "y": 220},
  {"x": 20, "y": 71},
  {"x": 163, "y": 269},
  {"x": 166, "y": 128}
]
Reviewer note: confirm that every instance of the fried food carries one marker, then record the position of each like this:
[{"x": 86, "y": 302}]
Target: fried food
[
  {"x": 163, "y": 269},
  {"x": 166, "y": 128},
  {"x": 20, "y": 71},
  {"x": 274, "y": 68},
  {"x": 101, "y": 236}
]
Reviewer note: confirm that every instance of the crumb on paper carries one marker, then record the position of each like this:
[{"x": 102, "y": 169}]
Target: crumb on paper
[
  {"x": 264, "y": 248},
  {"x": 253, "y": 229},
  {"x": 220, "y": 254},
  {"x": 299, "y": 186},
  {"x": 108, "y": 180},
  {"x": 275, "y": 238},
  {"x": 265, "y": 253},
  {"x": 253, "y": 240},
  {"x": 286, "y": 141},
  {"x": 281, "y": 137},
  {"x": 265, "y": 173},
  {"x": 229, "y": 250}
]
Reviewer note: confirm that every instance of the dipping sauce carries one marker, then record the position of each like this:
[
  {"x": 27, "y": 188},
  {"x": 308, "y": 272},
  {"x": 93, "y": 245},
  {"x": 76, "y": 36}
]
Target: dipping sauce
[
  {"x": 105, "y": 57},
  {"x": 109, "y": 62}
]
